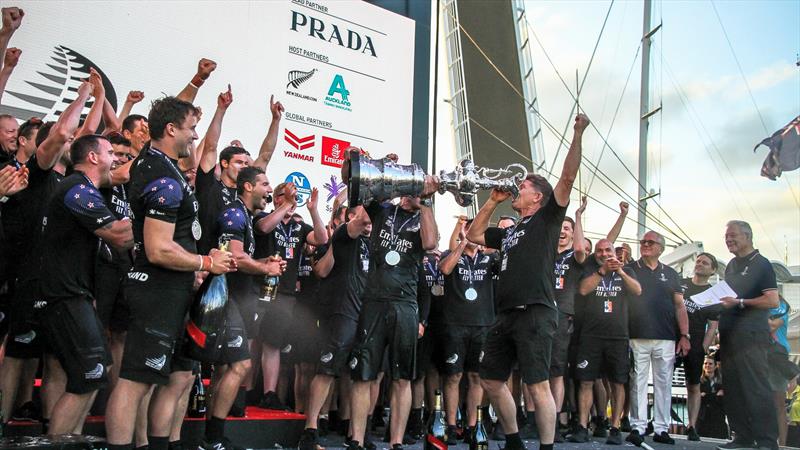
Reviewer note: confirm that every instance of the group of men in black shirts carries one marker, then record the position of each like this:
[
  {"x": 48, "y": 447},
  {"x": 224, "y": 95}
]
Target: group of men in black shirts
[{"x": 106, "y": 237}]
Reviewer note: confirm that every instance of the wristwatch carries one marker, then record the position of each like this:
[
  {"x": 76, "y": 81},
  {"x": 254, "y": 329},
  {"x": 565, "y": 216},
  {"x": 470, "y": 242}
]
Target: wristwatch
[
  {"x": 426, "y": 202},
  {"x": 741, "y": 303},
  {"x": 687, "y": 336}
]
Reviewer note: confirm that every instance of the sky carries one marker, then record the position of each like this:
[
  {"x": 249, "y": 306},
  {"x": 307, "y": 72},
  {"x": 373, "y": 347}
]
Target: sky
[{"x": 701, "y": 143}]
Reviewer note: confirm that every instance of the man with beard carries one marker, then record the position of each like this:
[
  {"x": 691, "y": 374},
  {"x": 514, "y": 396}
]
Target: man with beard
[
  {"x": 75, "y": 217},
  {"x": 166, "y": 230},
  {"x": 527, "y": 312}
]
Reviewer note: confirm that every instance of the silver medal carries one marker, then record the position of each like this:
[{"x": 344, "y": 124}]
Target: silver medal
[
  {"x": 471, "y": 294},
  {"x": 437, "y": 290},
  {"x": 392, "y": 258},
  {"x": 197, "y": 232}
]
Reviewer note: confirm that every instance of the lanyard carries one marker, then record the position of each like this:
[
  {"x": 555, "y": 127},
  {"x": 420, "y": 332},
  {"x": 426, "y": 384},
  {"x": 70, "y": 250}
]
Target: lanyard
[
  {"x": 470, "y": 264},
  {"x": 400, "y": 230},
  {"x": 286, "y": 232},
  {"x": 173, "y": 167}
]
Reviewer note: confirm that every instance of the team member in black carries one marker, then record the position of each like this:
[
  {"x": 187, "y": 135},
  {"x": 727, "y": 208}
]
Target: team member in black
[
  {"x": 287, "y": 240},
  {"x": 469, "y": 305},
  {"x": 235, "y": 224},
  {"x": 75, "y": 217},
  {"x": 568, "y": 269},
  {"x": 703, "y": 324},
  {"x": 606, "y": 289},
  {"x": 401, "y": 235},
  {"x": 344, "y": 270},
  {"x": 165, "y": 229},
  {"x": 527, "y": 314},
  {"x": 744, "y": 338}
]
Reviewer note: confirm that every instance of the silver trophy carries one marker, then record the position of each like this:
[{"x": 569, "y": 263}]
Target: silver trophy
[{"x": 383, "y": 179}]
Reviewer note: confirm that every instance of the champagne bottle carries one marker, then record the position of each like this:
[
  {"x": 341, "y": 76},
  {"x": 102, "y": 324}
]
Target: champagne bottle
[
  {"x": 436, "y": 435},
  {"x": 479, "y": 440},
  {"x": 197, "y": 398},
  {"x": 207, "y": 317},
  {"x": 269, "y": 287}
]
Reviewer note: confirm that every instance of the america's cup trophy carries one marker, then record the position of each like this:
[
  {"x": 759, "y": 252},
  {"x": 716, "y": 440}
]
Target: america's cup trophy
[{"x": 383, "y": 179}]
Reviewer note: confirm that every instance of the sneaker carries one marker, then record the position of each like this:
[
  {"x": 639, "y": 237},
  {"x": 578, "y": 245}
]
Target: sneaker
[
  {"x": 580, "y": 435},
  {"x": 270, "y": 400},
  {"x": 635, "y": 438},
  {"x": 352, "y": 445},
  {"x": 625, "y": 425},
  {"x": 236, "y": 411},
  {"x": 415, "y": 428},
  {"x": 649, "y": 429},
  {"x": 27, "y": 412},
  {"x": 529, "y": 431},
  {"x": 452, "y": 435},
  {"x": 309, "y": 440},
  {"x": 467, "y": 435},
  {"x": 614, "y": 437},
  {"x": 323, "y": 426},
  {"x": 600, "y": 427},
  {"x": 408, "y": 440},
  {"x": 691, "y": 434},
  {"x": 397, "y": 447},
  {"x": 736, "y": 444},
  {"x": 663, "y": 438},
  {"x": 224, "y": 444}
]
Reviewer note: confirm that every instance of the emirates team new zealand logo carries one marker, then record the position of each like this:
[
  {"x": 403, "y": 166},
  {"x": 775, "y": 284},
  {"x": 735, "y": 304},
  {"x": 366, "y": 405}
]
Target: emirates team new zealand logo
[{"x": 48, "y": 96}]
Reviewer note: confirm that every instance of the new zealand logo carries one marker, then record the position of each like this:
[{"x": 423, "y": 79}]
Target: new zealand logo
[
  {"x": 48, "y": 97},
  {"x": 297, "y": 78},
  {"x": 299, "y": 143}
]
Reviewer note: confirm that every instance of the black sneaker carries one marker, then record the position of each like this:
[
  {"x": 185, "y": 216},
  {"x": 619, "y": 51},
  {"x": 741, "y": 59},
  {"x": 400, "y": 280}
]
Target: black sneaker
[
  {"x": 529, "y": 431},
  {"x": 397, "y": 447},
  {"x": 452, "y": 435},
  {"x": 635, "y": 438},
  {"x": 580, "y": 435},
  {"x": 600, "y": 427},
  {"x": 625, "y": 425},
  {"x": 236, "y": 411},
  {"x": 28, "y": 412},
  {"x": 736, "y": 444},
  {"x": 352, "y": 445},
  {"x": 649, "y": 429},
  {"x": 663, "y": 438},
  {"x": 614, "y": 437},
  {"x": 270, "y": 400},
  {"x": 224, "y": 444},
  {"x": 309, "y": 440},
  {"x": 323, "y": 426},
  {"x": 691, "y": 434},
  {"x": 467, "y": 435},
  {"x": 408, "y": 440}
]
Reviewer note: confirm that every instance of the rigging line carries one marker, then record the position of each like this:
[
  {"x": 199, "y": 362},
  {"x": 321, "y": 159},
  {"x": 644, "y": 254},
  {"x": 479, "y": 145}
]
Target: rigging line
[
  {"x": 725, "y": 164},
  {"x": 616, "y": 112},
  {"x": 502, "y": 75},
  {"x": 552, "y": 130}
]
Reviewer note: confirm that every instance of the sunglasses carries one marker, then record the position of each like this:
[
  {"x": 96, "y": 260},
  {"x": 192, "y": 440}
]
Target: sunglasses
[{"x": 649, "y": 242}]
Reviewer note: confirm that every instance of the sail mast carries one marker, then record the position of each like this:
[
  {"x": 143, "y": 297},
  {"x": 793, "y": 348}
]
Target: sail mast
[{"x": 644, "y": 117}]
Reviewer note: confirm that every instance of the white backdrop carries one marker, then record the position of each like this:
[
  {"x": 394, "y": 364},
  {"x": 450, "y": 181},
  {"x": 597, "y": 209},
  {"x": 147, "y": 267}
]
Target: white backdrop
[{"x": 351, "y": 63}]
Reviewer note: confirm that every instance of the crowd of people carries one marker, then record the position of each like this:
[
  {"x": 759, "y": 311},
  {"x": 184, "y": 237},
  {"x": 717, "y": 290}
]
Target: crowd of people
[{"x": 110, "y": 225}]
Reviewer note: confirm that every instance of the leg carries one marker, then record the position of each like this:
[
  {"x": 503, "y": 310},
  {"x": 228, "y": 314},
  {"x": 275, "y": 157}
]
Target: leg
[
  {"x": 83, "y": 414},
  {"x": 451, "y": 388},
  {"x": 55, "y": 386},
  {"x": 121, "y": 411},
  {"x": 10, "y": 373},
  {"x": 140, "y": 432},
  {"x": 638, "y": 384},
  {"x": 116, "y": 344},
  {"x": 545, "y": 410},
  {"x": 663, "y": 365},
  {"x": 164, "y": 403},
  {"x": 400, "y": 407},
  {"x": 780, "y": 410},
  {"x": 557, "y": 388},
  {"x": 320, "y": 387},
  {"x": 600, "y": 399},
  {"x": 693, "y": 403},
  {"x": 585, "y": 402},
  {"x": 617, "y": 401},
  {"x": 68, "y": 411},
  {"x": 270, "y": 367},
  {"x": 500, "y": 397},
  {"x": 474, "y": 397},
  {"x": 27, "y": 376},
  {"x": 359, "y": 408},
  {"x": 345, "y": 391},
  {"x": 225, "y": 391},
  {"x": 180, "y": 412}
]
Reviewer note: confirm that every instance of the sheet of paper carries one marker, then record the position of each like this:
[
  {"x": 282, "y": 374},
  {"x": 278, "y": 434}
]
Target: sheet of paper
[{"x": 713, "y": 295}]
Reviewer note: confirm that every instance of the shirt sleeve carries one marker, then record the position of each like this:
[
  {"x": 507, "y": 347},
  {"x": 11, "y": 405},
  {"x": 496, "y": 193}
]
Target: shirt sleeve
[
  {"x": 203, "y": 180},
  {"x": 87, "y": 206},
  {"x": 340, "y": 234},
  {"x": 373, "y": 209},
  {"x": 162, "y": 198},
  {"x": 232, "y": 223},
  {"x": 767, "y": 281},
  {"x": 493, "y": 236}
]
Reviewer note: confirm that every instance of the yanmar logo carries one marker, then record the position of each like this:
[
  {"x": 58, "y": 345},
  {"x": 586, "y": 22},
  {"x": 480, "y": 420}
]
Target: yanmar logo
[
  {"x": 298, "y": 143},
  {"x": 333, "y": 151},
  {"x": 48, "y": 96}
]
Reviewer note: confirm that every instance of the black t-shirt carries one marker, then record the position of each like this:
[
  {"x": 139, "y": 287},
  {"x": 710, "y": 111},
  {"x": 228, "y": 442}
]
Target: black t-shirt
[
  {"x": 465, "y": 307},
  {"x": 289, "y": 239},
  {"x": 605, "y": 310},
  {"x": 348, "y": 277},
  {"x": 653, "y": 313},
  {"x": 159, "y": 191},
  {"x": 567, "y": 272},
  {"x": 395, "y": 238},
  {"x": 69, "y": 244},
  {"x": 214, "y": 197},
  {"x": 529, "y": 253},
  {"x": 749, "y": 276},
  {"x": 116, "y": 200},
  {"x": 698, "y": 317},
  {"x": 307, "y": 283},
  {"x": 434, "y": 283},
  {"x": 236, "y": 224}
]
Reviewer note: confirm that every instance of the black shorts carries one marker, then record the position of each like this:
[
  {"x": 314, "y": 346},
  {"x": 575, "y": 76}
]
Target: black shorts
[
  {"x": 25, "y": 339},
  {"x": 75, "y": 335},
  {"x": 427, "y": 348},
  {"x": 304, "y": 334},
  {"x": 460, "y": 348},
  {"x": 112, "y": 309},
  {"x": 693, "y": 363},
  {"x": 385, "y": 324},
  {"x": 251, "y": 309},
  {"x": 158, "y": 318},
  {"x": 520, "y": 335},
  {"x": 274, "y": 328},
  {"x": 598, "y": 357},
  {"x": 340, "y": 336},
  {"x": 561, "y": 340},
  {"x": 235, "y": 347}
]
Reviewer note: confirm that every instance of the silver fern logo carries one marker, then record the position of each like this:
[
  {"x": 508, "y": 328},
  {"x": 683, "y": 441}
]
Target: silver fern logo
[
  {"x": 297, "y": 78},
  {"x": 48, "y": 96}
]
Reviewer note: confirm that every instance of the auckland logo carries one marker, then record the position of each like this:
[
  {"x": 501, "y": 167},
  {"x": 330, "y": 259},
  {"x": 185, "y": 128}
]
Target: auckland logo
[
  {"x": 338, "y": 96},
  {"x": 296, "y": 78},
  {"x": 298, "y": 143},
  {"x": 47, "y": 97}
]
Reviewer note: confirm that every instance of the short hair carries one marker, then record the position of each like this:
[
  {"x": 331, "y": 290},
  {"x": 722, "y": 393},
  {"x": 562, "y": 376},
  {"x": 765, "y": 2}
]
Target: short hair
[
  {"x": 744, "y": 226},
  {"x": 43, "y": 132},
  {"x": 117, "y": 138},
  {"x": 247, "y": 175},
  {"x": 230, "y": 151},
  {"x": 278, "y": 189},
  {"x": 542, "y": 185},
  {"x": 659, "y": 238},
  {"x": 570, "y": 220},
  {"x": 714, "y": 263},
  {"x": 7, "y": 116},
  {"x": 165, "y": 111},
  {"x": 84, "y": 145},
  {"x": 511, "y": 218},
  {"x": 28, "y": 127},
  {"x": 129, "y": 123},
  {"x": 589, "y": 241}
]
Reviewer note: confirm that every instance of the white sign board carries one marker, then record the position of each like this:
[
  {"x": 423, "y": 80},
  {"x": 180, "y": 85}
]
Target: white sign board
[{"x": 342, "y": 69}]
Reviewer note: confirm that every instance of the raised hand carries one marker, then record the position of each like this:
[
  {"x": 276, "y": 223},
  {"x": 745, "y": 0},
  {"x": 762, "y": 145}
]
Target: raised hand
[
  {"x": 205, "y": 67},
  {"x": 97, "y": 83},
  {"x": 85, "y": 89},
  {"x": 581, "y": 122},
  {"x": 499, "y": 196},
  {"x": 12, "y": 57},
  {"x": 134, "y": 97},
  {"x": 13, "y": 180},
  {"x": 12, "y": 19},
  {"x": 623, "y": 208},
  {"x": 225, "y": 99},
  {"x": 276, "y": 108},
  {"x": 582, "y": 207},
  {"x": 312, "y": 201}
]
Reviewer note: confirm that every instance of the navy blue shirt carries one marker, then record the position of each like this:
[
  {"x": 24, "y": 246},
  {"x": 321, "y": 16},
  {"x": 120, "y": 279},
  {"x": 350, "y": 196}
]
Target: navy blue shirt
[
  {"x": 236, "y": 224},
  {"x": 652, "y": 315},
  {"x": 749, "y": 276}
]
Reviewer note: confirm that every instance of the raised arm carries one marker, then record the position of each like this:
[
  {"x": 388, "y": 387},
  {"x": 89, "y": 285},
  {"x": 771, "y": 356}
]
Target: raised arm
[
  {"x": 613, "y": 234},
  {"x": 204, "y": 69},
  {"x": 577, "y": 235},
  {"x": 11, "y": 58},
  {"x": 458, "y": 233},
  {"x": 92, "y": 121},
  {"x": 12, "y": 19},
  {"x": 208, "y": 158},
  {"x": 50, "y": 150},
  {"x": 359, "y": 223},
  {"x": 571, "y": 163},
  {"x": 324, "y": 266},
  {"x": 133, "y": 98},
  {"x": 271, "y": 140},
  {"x": 110, "y": 120},
  {"x": 481, "y": 221},
  {"x": 319, "y": 236}
]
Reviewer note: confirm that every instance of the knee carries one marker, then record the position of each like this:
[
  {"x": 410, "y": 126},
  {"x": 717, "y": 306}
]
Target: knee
[
  {"x": 401, "y": 384},
  {"x": 492, "y": 386},
  {"x": 474, "y": 378},
  {"x": 454, "y": 379},
  {"x": 241, "y": 368},
  {"x": 693, "y": 389}
]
